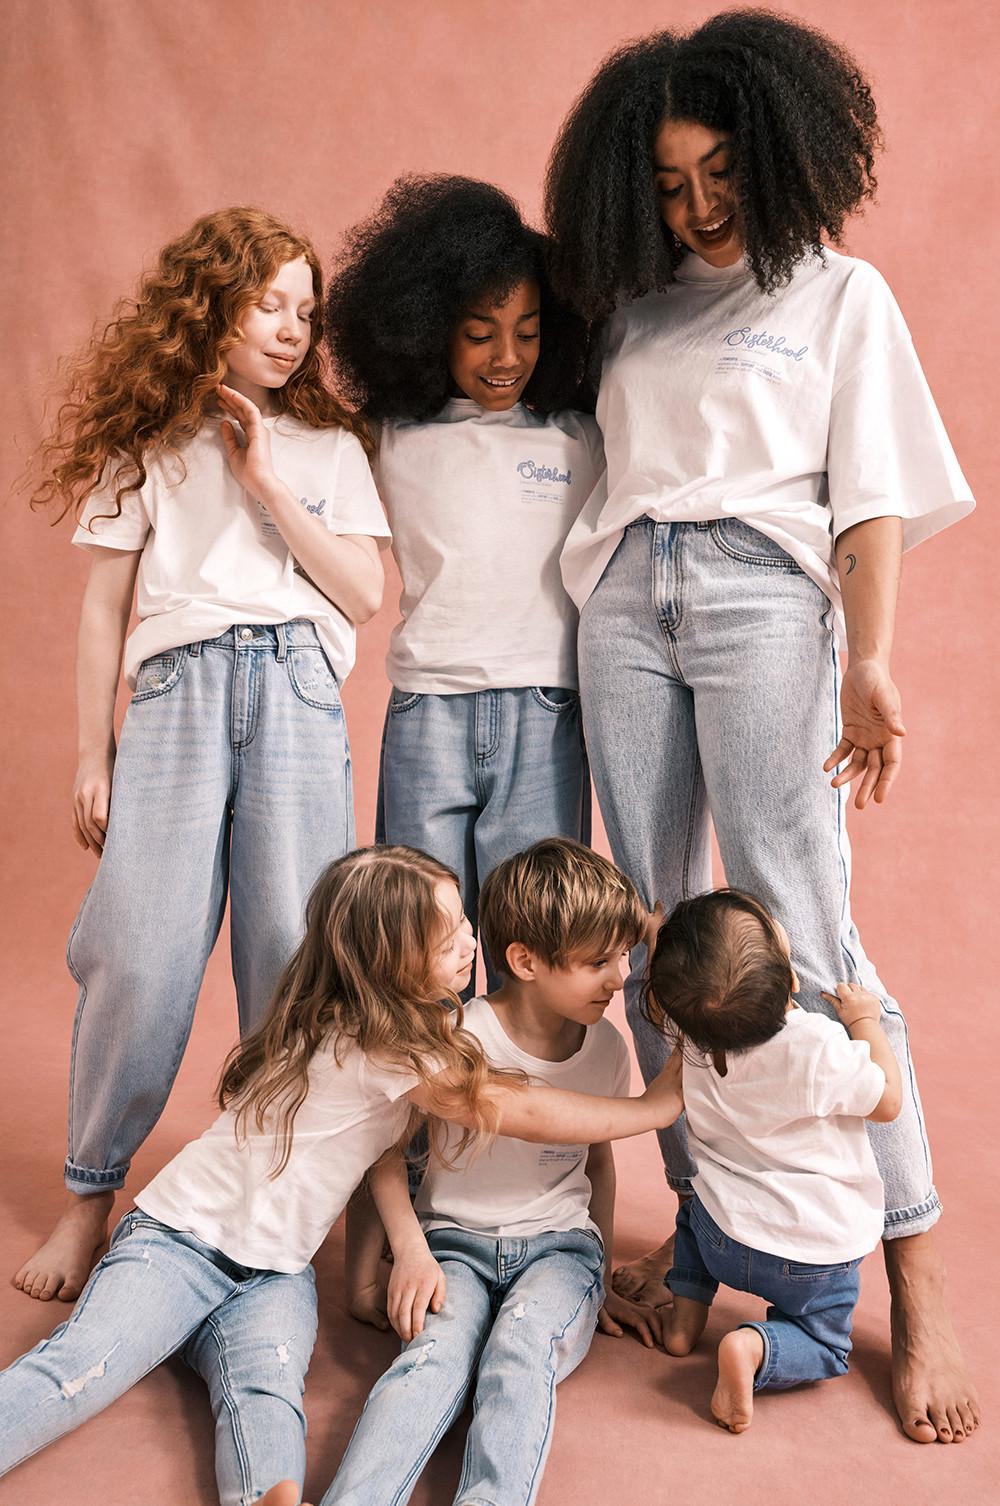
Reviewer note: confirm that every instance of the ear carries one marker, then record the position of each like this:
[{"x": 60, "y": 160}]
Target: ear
[
  {"x": 520, "y": 962},
  {"x": 796, "y": 985}
]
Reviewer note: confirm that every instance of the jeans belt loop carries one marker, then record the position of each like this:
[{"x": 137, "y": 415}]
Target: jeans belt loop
[
  {"x": 282, "y": 637},
  {"x": 194, "y": 649}
]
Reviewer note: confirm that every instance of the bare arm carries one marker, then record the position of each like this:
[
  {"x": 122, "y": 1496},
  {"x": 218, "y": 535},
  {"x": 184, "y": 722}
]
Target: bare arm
[
  {"x": 615, "y": 1310},
  {"x": 868, "y": 562},
  {"x": 860, "y": 1013},
  {"x": 104, "y": 615},
  {"x": 552, "y": 1115},
  {"x": 417, "y": 1281},
  {"x": 345, "y": 566}
]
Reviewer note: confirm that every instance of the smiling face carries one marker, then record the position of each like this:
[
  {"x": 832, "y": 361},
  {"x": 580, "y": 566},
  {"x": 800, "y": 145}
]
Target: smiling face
[
  {"x": 693, "y": 166},
  {"x": 455, "y": 953},
  {"x": 582, "y": 988},
  {"x": 494, "y": 347},
  {"x": 276, "y": 331}
]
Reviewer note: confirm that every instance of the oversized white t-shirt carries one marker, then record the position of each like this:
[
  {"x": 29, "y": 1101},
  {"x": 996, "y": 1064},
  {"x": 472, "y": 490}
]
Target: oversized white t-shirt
[
  {"x": 784, "y": 1162},
  {"x": 219, "y": 1187},
  {"x": 801, "y": 412},
  {"x": 514, "y": 1188},
  {"x": 211, "y": 554},
  {"x": 480, "y": 505}
]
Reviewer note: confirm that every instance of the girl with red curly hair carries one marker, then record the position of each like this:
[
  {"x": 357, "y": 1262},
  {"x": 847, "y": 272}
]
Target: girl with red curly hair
[{"x": 214, "y": 477}]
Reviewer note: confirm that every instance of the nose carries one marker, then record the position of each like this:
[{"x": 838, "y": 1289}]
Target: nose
[
  {"x": 505, "y": 353},
  {"x": 702, "y": 200},
  {"x": 289, "y": 331},
  {"x": 615, "y": 976}
]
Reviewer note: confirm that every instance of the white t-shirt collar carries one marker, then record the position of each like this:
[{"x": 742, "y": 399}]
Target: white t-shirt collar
[{"x": 694, "y": 268}]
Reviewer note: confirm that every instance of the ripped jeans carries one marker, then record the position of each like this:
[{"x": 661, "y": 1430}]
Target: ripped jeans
[
  {"x": 248, "y": 1333},
  {"x": 518, "y": 1317}
]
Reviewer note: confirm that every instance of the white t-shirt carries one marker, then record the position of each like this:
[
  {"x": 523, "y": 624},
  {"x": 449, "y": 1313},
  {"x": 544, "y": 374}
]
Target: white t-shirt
[
  {"x": 480, "y": 505},
  {"x": 219, "y": 1187},
  {"x": 784, "y": 1162},
  {"x": 212, "y": 556},
  {"x": 514, "y": 1188},
  {"x": 802, "y": 413}
]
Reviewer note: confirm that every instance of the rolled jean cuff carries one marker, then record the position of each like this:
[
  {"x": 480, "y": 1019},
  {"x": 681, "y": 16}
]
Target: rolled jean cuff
[
  {"x": 769, "y": 1364},
  {"x": 82, "y": 1180},
  {"x": 692, "y": 1284},
  {"x": 900, "y": 1223},
  {"x": 683, "y": 1185}
]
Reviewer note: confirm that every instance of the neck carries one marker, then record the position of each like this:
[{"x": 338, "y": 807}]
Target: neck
[
  {"x": 532, "y": 1025},
  {"x": 263, "y": 397}
]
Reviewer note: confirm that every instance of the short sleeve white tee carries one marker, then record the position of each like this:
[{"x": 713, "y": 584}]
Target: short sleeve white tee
[
  {"x": 211, "y": 554},
  {"x": 514, "y": 1189},
  {"x": 219, "y": 1187},
  {"x": 801, "y": 412},
  {"x": 784, "y": 1162},
  {"x": 480, "y": 505}
]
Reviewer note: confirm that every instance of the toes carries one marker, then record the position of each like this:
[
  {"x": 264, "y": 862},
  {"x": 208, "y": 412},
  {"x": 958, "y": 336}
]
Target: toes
[
  {"x": 625, "y": 1282},
  {"x": 940, "y": 1423},
  {"x": 919, "y": 1427},
  {"x": 967, "y": 1418},
  {"x": 955, "y": 1422}
]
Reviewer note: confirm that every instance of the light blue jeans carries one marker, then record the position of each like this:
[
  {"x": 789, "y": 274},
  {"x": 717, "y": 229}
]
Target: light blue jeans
[
  {"x": 518, "y": 1317},
  {"x": 710, "y": 685},
  {"x": 233, "y": 774},
  {"x": 474, "y": 778},
  {"x": 807, "y": 1331},
  {"x": 249, "y": 1334}
]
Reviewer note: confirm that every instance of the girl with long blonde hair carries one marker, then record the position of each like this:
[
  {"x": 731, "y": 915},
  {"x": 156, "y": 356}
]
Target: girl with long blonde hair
[
  {"x": 214, "y": 478},
  {"x": 214, "y": 1259}
]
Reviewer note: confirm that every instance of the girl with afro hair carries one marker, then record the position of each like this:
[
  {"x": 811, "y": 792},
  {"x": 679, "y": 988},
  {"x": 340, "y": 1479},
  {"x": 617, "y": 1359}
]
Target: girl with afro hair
[
  {"x": 771, "y": 448},
  {"x": 446, "y": 336}
]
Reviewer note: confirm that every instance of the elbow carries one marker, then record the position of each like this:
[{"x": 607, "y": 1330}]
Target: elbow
[
  {"x": 888, "y": 1108},
  {"x": 369, "y": 601}
]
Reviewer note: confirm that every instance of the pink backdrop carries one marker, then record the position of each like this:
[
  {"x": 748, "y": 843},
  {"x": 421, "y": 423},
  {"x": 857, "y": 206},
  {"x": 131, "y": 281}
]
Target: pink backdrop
[{"x": 123, "y": 121}]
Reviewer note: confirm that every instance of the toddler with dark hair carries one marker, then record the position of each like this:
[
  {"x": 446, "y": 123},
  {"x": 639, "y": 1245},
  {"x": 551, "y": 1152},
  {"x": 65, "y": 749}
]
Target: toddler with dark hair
[{"x": 787, "y": 1197}]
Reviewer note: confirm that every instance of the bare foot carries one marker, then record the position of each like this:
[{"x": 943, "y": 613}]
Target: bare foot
[
  {"x": 740, "y": 1354},
  {"x": 683, "y": 1325},
  {"x": 62, "y": 1264},
  {"x": 285, "y": 1493},
  {"x": 368, "y": 1304},
  {"x": 934, "y": 1394},
  {"x": 642, "y": 1280}
]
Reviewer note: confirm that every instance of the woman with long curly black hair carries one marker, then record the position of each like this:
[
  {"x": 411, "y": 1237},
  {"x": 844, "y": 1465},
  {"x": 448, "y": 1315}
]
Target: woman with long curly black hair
[{"x": 771, "y": 447}]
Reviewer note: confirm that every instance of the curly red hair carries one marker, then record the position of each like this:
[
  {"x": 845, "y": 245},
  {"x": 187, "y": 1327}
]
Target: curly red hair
[{"x": 148, "y": 378}]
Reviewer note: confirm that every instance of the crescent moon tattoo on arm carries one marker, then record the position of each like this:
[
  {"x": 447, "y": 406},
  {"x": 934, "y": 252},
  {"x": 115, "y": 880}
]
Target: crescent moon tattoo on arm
[{"x": 852, "y": 561}]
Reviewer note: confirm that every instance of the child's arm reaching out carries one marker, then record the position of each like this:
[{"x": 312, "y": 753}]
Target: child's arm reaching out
[
  {"x": 417, "y": 1281},
  {"x": 107, "y": 602},
  {"x": 860, "y": 1013},
  {"x": 616, "y": 1310},
  {"x": 556, "y": 1116}
]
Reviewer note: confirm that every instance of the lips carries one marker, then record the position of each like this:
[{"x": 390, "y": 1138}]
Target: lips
[{"x": 501, "y": 384}]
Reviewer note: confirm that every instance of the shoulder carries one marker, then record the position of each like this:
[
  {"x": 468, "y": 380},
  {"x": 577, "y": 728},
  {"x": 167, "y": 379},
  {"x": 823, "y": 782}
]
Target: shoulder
[
  {"x": 578, "y": 428},
  {"x": 478, "y": 1020}
]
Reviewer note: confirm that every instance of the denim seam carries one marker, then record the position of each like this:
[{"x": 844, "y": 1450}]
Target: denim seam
[
  {"x": 769, "y": 1364},
  {"x": 768, "y": 562},
  {"x": 239, "y": 1442},
  {"x": 552, "y": 1378},
  {"x": 336, "y": 707},
  {"x": 448, "y": 1417}
]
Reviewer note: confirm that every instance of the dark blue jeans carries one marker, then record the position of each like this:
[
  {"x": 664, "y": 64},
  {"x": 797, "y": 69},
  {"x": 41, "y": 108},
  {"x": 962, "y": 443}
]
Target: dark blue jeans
[{"x": 807, "y": 1332}]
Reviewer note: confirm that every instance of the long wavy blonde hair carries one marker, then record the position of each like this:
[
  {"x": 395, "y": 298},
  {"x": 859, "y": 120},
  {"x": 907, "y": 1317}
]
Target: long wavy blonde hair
[
  {"x": 147, "y": 379},
  {"x": 362, "y": 976}
]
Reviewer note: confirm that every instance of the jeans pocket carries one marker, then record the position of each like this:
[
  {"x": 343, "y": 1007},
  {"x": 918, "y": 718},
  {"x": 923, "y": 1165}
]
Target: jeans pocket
[
  {"x": 402, "y": 700},
  {"x": 555, "y": 698},
  {"x": 741, "y": 542},
  {"x": 158, "y": 676},
  {"x": 798, "y": 1271},
  {"x": 312, "y": 679},
  {"x": 707, "y": 1228}
]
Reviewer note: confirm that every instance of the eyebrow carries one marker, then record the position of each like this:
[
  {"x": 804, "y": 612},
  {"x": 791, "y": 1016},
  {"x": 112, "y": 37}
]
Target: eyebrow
[
  {"x": 491, "y": 318},
  {"x": 706, "y": 157}
]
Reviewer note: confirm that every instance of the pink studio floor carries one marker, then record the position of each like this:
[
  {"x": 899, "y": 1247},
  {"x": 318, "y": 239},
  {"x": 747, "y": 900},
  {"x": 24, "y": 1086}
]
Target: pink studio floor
[{"x": 633, "y": 1426}]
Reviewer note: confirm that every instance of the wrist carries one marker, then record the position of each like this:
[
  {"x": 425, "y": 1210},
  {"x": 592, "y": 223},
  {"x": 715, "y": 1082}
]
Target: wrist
[{"x": 272, "y": 493}]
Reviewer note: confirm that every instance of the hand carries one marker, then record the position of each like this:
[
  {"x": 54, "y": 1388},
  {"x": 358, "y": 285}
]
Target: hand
[
  {"x": 665, "y": 1092},
  {"x": 416, "y": 1285},
  {"x": 654, "y": 920},
  {"x": 250, "y": 464},
  {"x": 854, "y": 1003},
  {"x": 618, "y": 1311},
  {"x": 92, "y": 800},
  {"x": 872, "y": 732}
]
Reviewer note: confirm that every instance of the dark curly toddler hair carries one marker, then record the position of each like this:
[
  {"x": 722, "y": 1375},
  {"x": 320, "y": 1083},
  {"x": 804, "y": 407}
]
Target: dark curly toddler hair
[
  {"x": 804, "y": 128},
  {"x": 434, "y": 248},
  {"x": 720, "y": 973}
]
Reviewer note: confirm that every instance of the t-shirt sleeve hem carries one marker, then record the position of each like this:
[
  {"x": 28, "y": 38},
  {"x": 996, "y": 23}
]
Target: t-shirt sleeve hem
[{"x": 915, "y": 529}]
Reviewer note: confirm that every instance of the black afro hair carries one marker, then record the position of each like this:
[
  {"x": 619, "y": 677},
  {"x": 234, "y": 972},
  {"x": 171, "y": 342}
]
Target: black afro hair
[
  {"x": 805, "y": 133},
  {"x": 433, "y": 249}
]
